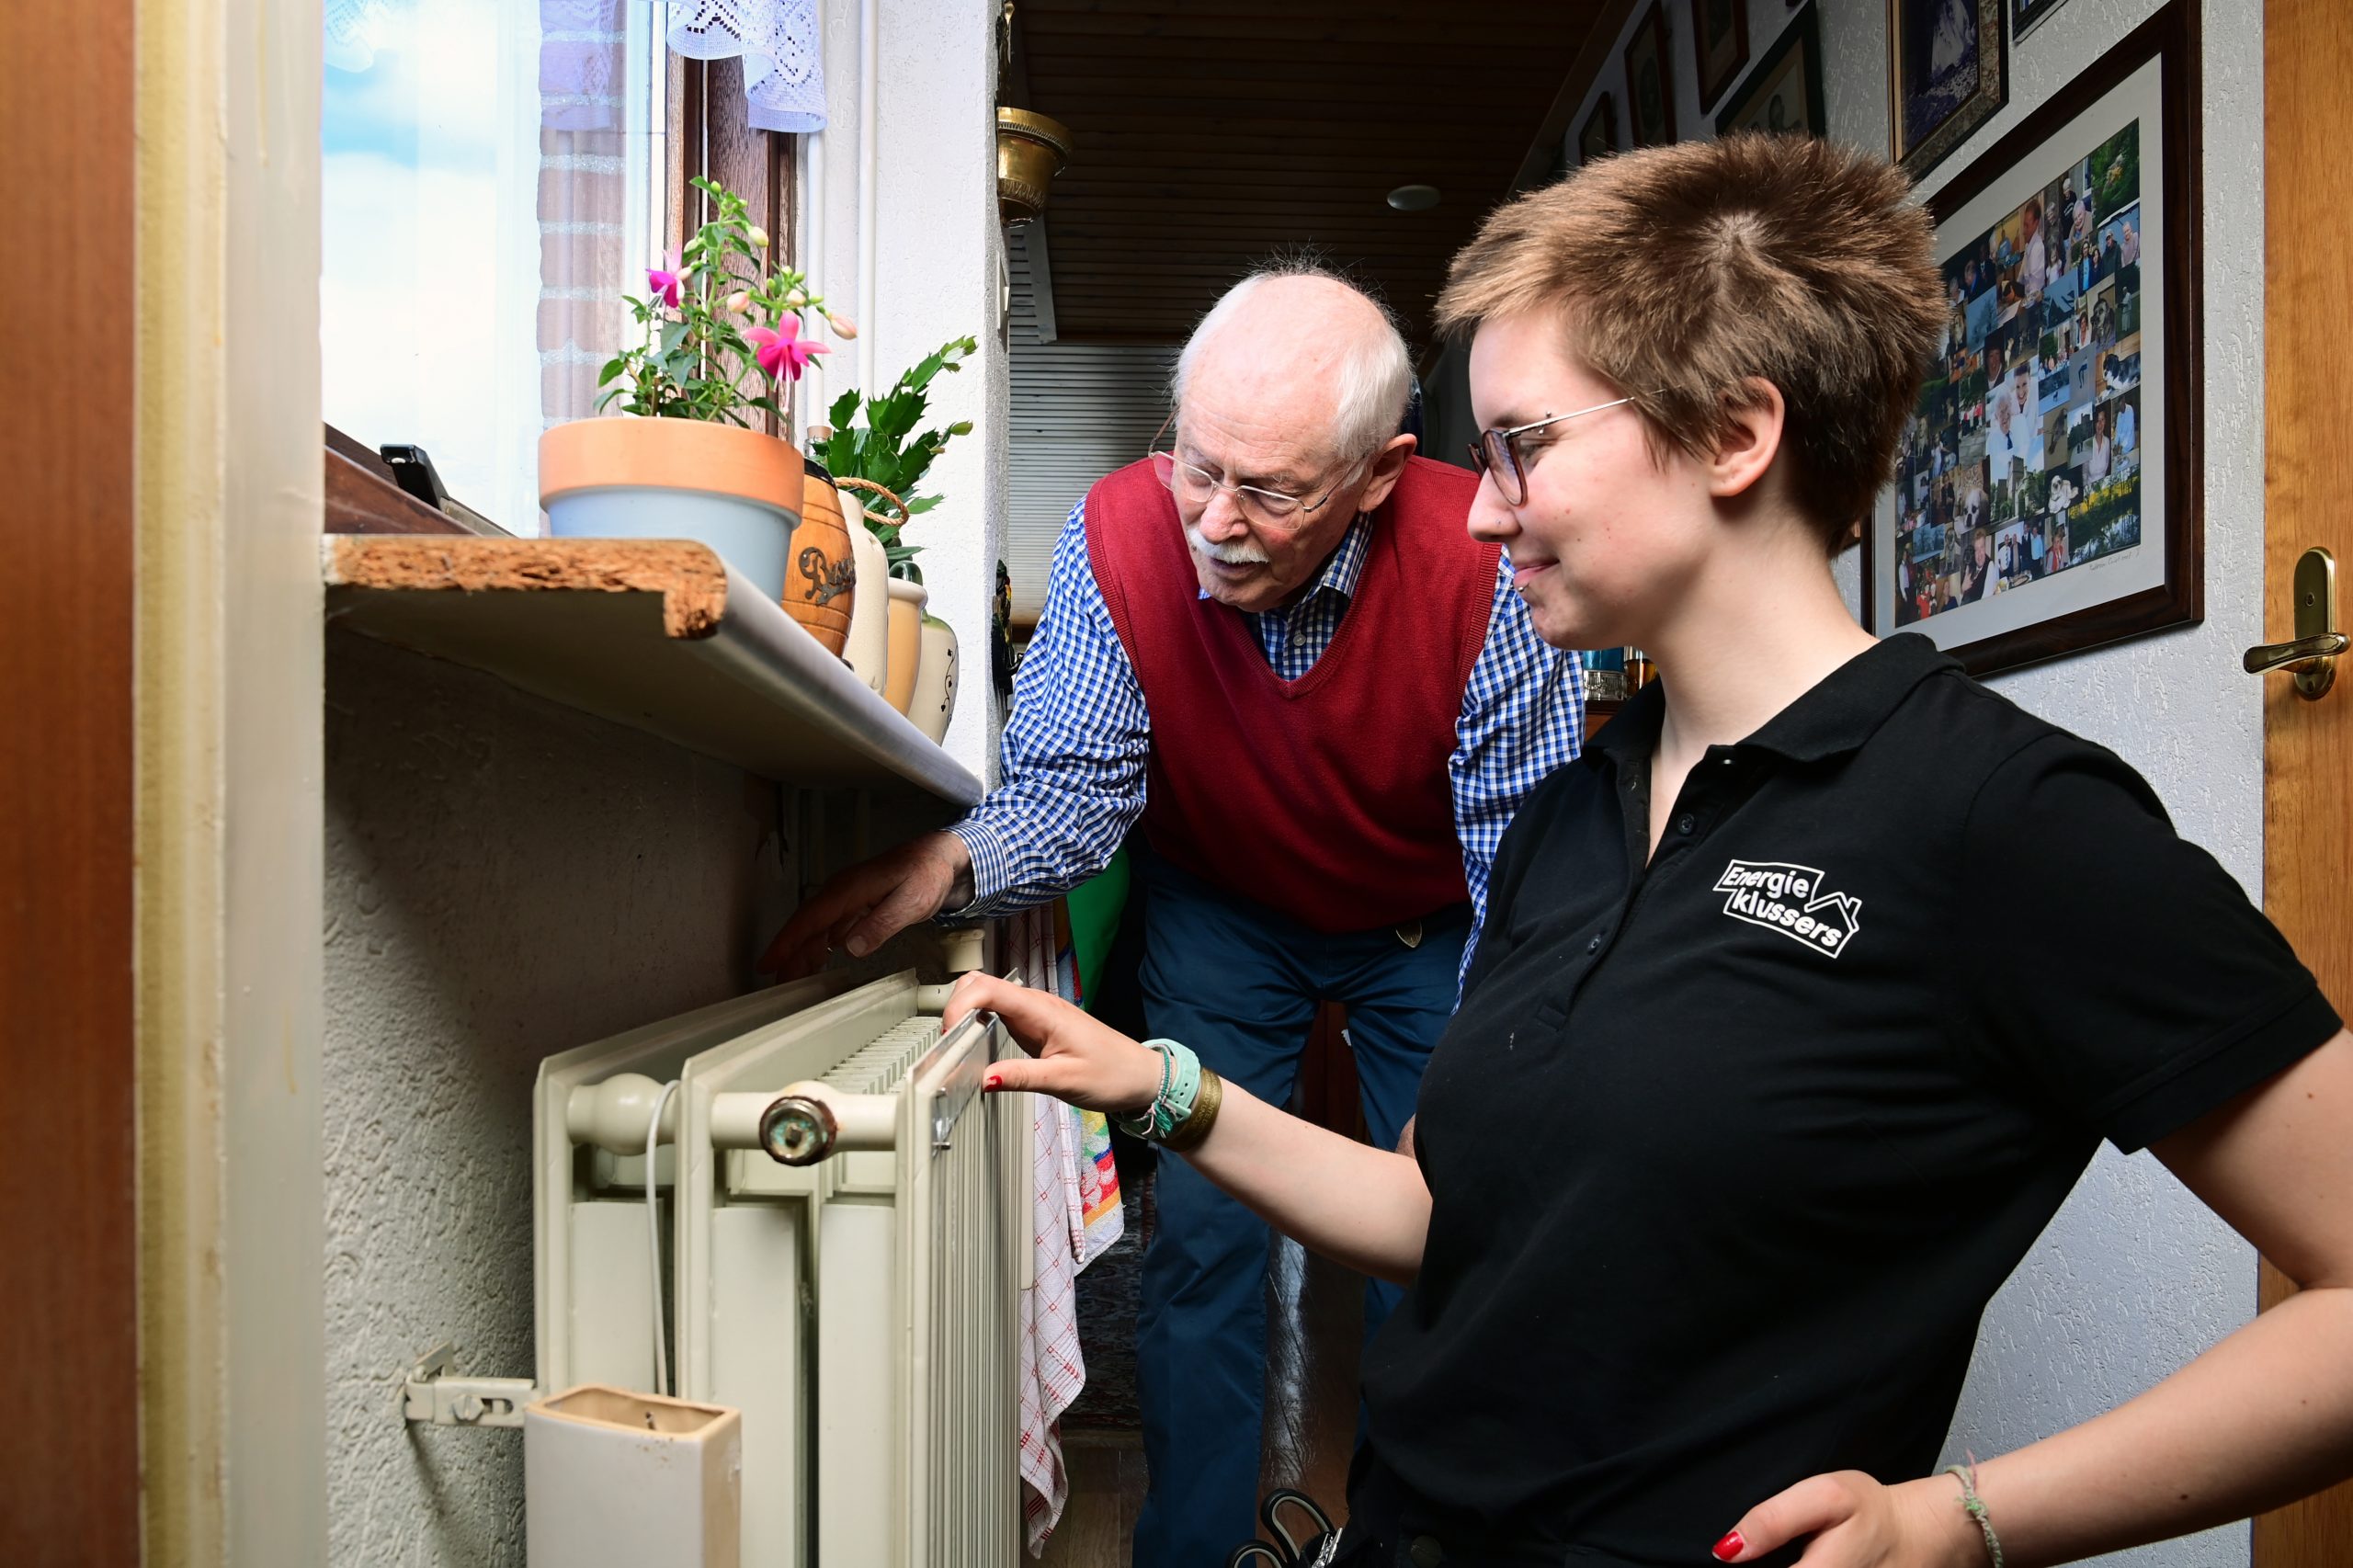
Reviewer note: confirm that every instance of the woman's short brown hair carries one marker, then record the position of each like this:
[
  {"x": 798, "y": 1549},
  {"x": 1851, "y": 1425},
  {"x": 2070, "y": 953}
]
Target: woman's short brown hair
[{"x": 1688, "y": 270}]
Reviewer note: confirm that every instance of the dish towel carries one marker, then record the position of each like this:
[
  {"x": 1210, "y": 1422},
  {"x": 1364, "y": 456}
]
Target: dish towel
[
  {"x": 1075, "y": 1215},
  {"x": 1053, "y": 1370}
]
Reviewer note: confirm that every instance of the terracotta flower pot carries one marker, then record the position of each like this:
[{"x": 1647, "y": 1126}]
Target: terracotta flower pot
[
  {"x": 935, "y": 699},
  {"x": 821, "y": 583},
  {"x": 869, "y": 651},
  {"x": 738, "y": 491},
  {"x": 907, "y": 601}
]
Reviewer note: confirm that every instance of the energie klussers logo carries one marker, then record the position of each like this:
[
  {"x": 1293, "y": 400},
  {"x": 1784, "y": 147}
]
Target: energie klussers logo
[{"x": 1793, "y": 900}]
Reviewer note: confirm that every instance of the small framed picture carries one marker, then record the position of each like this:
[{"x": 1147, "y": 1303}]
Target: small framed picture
[
  {"x": 1720, "y": 40},
  {"x": 1948, "y": 74},
  {"x": 2048, "y": 496},
  {"x": 2028, "y": 15},
  {"x": 1784, "y": 93},
  {"x": 1598, "y": 139},
  {"x": 1650, "y": 91}
]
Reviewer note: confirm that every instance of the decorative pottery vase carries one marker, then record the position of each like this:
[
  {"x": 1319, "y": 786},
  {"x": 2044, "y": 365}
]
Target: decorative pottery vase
[
  {"x": 868, "y": 650},
  {"x": 1030, "y": 150},
  {"x": 821, "y": 580},
  {"x": 738, "y": 491},
  {"x": 907, "y": 601},
  {"x": 935, "y": 699}
]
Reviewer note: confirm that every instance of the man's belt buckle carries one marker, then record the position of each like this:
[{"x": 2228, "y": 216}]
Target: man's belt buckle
[{"x": 1410, "y": 933}]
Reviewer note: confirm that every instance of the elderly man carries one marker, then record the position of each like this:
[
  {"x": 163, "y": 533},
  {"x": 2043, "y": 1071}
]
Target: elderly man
[{"x": 1274, "y": 644}]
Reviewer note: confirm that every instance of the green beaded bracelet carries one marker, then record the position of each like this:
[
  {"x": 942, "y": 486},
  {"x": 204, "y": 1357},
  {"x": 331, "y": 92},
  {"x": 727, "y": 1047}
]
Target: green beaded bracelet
[{"x": 1180, "y": 1084}]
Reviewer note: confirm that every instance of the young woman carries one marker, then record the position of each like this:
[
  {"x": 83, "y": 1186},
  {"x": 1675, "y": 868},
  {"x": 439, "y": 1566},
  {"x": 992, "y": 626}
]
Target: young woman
[{"x": 1720, "y": 1159}]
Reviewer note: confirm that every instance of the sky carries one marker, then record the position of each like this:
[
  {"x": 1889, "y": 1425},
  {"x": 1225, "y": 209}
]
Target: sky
[{"x": 410, "y": 307}]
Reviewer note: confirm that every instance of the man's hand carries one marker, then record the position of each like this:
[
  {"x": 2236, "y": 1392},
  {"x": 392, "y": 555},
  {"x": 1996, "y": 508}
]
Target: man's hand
[{"x": 865, "y": 906}]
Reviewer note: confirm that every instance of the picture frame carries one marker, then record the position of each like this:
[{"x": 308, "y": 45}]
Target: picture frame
[
  {"x": 2028, "y": 15},
  {"x": 1719, "y": 45},
  {"x": 1784, "y": 92},
  {"x": 1650, "y": 86},
  {"x": 1599, "y": 136},
  {"x": 2049, "y": 493},
  {"x": 1948, "y": 73}
]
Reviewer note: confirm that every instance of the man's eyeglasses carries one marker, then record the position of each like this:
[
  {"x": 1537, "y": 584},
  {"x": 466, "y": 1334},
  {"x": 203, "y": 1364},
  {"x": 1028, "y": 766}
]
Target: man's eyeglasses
[
  {"x": 1195, "y": 487},
  {"x": 1495, "y": 454}
]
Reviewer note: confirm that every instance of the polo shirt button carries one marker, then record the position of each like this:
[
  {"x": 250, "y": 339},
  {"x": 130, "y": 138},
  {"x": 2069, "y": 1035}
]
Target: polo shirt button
[
  {"x": 1685, "y": 823},
  {"x": 1593, "y": 946}
]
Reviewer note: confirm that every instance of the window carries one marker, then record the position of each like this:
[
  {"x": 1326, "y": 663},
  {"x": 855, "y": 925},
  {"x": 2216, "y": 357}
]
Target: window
[{"x": 493, "y": 183}]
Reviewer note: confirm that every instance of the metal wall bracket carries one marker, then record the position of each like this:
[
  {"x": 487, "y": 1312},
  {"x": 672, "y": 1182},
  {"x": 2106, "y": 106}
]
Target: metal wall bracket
[{"x": 430, "y": 1393}]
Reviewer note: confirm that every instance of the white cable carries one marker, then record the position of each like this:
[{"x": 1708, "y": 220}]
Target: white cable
[{"x": 654, "y": 1238}]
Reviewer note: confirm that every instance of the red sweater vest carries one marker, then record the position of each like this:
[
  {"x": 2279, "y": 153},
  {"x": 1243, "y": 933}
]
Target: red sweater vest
[{"x": 1325, "y": 797}]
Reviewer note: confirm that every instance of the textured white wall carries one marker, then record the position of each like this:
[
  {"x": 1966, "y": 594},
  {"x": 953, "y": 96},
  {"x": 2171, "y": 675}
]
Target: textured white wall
[
  {"x": 939, "y": 272},
  {"x": 937, "y": 260},
  {"x": 505, "y": 879},
  {"x": 2135, "y": 1277}
]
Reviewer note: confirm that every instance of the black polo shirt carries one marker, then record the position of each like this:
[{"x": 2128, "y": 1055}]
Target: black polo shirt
[{"x": 1728, "y": 1153}]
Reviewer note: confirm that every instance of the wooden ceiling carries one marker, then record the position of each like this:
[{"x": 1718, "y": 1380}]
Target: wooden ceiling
[{"x": 1210, "y": 132}]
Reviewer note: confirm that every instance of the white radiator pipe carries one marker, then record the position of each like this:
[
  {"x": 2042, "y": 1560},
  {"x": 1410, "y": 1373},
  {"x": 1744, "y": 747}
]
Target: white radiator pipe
[
  {"x": 805, "y": 1122},
  {"x": 613, "y": 1115}
]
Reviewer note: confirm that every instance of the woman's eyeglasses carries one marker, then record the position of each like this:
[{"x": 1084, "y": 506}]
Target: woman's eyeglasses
[{"x": 1495, "y": 454}]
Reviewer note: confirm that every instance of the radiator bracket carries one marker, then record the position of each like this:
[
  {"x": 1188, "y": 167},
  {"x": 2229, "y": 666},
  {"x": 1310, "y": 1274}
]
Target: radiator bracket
[{"x": 432, "y": 1393}]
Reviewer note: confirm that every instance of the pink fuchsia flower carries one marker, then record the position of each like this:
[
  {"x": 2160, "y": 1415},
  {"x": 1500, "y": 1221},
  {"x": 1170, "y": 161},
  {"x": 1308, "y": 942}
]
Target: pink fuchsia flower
[
  {"x": 842, "y": 326},
  {"x": 665, "y": 283},
  {"x": 782, "y": 350}
]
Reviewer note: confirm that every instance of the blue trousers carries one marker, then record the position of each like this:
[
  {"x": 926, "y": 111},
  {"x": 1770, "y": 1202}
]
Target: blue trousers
[{"x": 1239, "y": 982}]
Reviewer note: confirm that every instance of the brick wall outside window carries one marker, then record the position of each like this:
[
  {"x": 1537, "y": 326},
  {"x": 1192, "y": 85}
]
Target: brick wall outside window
[{"x": 583, "y": 184}]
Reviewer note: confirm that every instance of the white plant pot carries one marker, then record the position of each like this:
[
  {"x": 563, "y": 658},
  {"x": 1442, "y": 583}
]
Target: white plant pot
[
  {"x": 613, "y": 1479},
  {"x": 868, "y": 650},
  {"x": 754, "y": 539},
  {"x": 907, "y": 601},
  {"x": 935, "y": 699},
  {"x": 737, "y": 491}
]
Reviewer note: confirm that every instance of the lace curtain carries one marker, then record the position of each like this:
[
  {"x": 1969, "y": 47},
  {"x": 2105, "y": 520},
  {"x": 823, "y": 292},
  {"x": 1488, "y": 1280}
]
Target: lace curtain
[{"x": 783, "y": 77}]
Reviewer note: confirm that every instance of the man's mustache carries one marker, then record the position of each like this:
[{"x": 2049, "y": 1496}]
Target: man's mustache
[{"x": 1241, "y": 552}]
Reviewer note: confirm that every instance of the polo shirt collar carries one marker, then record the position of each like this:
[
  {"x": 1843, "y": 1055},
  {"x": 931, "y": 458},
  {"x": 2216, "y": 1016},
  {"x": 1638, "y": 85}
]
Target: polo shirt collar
[{"x": 1837, "y": 716}]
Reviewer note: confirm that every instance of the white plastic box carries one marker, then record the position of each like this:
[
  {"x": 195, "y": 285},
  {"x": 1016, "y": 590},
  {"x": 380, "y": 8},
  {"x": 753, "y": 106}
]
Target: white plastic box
[{"x": 613, "y": 1479}]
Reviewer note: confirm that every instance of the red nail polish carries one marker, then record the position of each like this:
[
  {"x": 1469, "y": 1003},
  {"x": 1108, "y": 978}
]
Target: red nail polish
[
  {"x": 1730, "y": 1547},
  {"x": 990, "y": 1082}
]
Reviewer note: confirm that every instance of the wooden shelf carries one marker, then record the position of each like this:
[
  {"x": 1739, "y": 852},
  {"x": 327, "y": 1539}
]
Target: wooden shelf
[{"x": 658, "y": 634}]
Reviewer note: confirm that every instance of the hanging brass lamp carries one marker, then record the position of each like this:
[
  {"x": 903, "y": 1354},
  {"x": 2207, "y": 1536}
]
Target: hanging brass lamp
[{"x": 1030, "y": 150}]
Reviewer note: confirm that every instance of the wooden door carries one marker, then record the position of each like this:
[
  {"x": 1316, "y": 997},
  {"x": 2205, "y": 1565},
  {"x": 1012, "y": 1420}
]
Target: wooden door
[
  {"x": 69, "y": 1471},
  {"x": 2307, "y": 500}
]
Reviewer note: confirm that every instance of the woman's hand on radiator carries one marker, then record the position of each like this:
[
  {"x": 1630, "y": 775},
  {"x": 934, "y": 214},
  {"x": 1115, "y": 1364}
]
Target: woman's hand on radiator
[{"x": 1073, "y": 1057}]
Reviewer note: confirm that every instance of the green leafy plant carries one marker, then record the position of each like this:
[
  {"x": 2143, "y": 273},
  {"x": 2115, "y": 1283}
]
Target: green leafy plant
[
  {"x": 720, "y": 321},
  {"x": 887, "y": 448}
]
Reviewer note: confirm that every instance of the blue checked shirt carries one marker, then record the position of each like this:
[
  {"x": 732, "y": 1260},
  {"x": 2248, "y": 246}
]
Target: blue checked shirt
[{"x": 1076, "y": 745}]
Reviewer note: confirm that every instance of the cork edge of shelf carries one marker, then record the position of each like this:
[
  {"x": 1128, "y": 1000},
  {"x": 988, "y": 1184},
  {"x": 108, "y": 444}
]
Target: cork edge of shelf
[{"x": 690, "y": 578}]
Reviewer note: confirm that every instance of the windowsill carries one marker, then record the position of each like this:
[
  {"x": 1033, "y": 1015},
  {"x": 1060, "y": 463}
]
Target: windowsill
[
  {"x": 361, "y": 500},
  {"x": 656, "y": 635}
]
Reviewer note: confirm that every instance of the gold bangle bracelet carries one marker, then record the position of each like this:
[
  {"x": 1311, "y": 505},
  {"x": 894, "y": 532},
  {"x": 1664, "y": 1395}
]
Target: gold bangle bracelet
[{"x": 1188, "y": 1134}]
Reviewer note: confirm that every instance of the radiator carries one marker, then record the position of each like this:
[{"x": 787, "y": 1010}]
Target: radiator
[{"x": 859, "y": 1309}]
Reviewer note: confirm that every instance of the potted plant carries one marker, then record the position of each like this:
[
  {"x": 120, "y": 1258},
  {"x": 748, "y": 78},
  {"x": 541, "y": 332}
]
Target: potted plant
[
  {"x": 882, "y": 462},
  {"x": 723, "y": 324}
]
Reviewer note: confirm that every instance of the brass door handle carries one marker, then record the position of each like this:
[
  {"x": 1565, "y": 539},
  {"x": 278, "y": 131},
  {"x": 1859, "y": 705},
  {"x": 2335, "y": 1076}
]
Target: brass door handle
[
  {"x": 2311, "y": 656},
  {"x": 2288, "y": 655}
]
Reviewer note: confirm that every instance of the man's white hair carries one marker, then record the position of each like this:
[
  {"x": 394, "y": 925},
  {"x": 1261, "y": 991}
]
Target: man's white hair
[{"x": 1376, "y": 375}]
